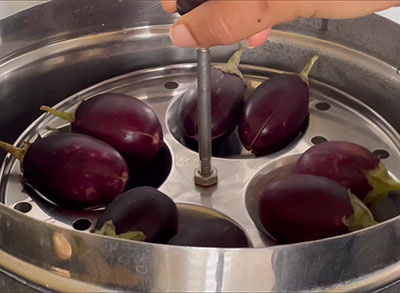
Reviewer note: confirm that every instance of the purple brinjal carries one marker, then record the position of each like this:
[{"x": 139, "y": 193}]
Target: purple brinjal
[
  {"x": 349, "y": 164},
  {"x": 125, "y": 122},
  {"x": 213, "y": 232},
  {"x": 227, "y": 99},
  {"x": 142, "y": 214},
  {"x": 386, "y": 207},
  {"x": 153, "y": 173},
  {"x": 276, "y": 112},
  {"x": 300, "y": 208},
  {"x": 72, "y": 170}
]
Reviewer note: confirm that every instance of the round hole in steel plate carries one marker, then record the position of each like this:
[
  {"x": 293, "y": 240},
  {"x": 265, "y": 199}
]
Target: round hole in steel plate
[
  {"x": 23, "y": 207},
  {"x": 381, "y": 154},
  {"x": 322, "y": 106},
  {"x": 318, "y": 139},
  {"x": 171, "y": 85},
  {"x": 81, "y": 224}
]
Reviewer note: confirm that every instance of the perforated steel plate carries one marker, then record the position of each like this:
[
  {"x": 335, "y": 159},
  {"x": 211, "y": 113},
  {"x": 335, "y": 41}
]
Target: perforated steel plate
[{"x": 334, "y": 115}]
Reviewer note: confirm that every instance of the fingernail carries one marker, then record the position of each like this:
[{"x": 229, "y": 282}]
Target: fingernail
[
  {"x": 249, "y": 44},
  {"x": 258, "y": 39},
  {"x": 181, "y": 36}
]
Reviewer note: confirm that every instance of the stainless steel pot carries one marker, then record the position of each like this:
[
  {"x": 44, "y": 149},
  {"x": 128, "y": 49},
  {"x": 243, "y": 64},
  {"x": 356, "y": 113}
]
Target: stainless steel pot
[{"x": 63, "y": 50}]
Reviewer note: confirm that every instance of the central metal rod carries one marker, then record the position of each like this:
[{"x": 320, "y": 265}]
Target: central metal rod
[
  {"x": 204, "y": 110},
  {"x": 205, "y": 175}
]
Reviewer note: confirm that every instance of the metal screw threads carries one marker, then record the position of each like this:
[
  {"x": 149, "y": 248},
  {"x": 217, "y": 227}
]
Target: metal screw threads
[
  {"x": 205, "y": 168},
  {"x": 207, "y": 173}
]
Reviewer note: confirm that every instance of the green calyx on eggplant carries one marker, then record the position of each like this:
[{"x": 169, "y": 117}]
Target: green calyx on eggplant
[
  {"x": 276, "y": 112},
  {"x": 125, "y": 122},
  {"x": 299, "y": 208},
  {"x": 142, "y": 213},
  {"x": 362, "y": 216},
  {"x": 72, "y": 170},
  {"x": 351, "y": 165},
  {"x": 108, "y": 229},
  {"x": 227, "y": 99}
]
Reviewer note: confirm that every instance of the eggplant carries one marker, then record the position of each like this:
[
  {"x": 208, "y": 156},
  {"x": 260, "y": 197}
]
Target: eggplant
[
  {"x": 351, "y": 165},
  {"x": 152, "y": 173},
  {"x": 212, "y": 232},
  {"x": 142, "y": 214},
  {"x": 125, "y": 122},
  {"x": 386, "y": 208},
  {"x": 276, "y": 112},
  {"x": 72, "y": 170},
  {"x": 299, "y": 208},
  {"x": 227, "y": 99}
]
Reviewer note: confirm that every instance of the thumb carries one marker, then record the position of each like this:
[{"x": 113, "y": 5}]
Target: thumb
[{"x": 221, "y": 22}]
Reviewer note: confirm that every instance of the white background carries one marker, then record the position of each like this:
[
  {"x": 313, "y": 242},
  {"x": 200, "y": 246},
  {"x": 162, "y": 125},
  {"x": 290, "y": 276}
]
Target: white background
[{"x": 9, "y": 7}]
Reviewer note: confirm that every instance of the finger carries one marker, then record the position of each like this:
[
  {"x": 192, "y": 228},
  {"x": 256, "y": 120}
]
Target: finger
[
  {"x": 219, "y": 22},
  {"x": 169, "y": 5},
  {"x": 226, "y": 22},
  {"x": 258, "y": 39}
]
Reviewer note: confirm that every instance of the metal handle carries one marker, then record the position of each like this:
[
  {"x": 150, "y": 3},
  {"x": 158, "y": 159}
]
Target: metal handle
[{"x": 184, "y": 6}]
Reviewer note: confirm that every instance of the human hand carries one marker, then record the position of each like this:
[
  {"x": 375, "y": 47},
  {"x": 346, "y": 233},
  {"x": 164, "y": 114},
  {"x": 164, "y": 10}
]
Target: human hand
[{"x": 225, "y": 22}]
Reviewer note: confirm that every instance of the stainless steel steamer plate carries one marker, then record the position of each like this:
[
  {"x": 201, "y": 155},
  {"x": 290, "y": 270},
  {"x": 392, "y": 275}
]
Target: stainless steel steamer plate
[
  {"x": 334, "y": 115},
  {"x": 98, "y": 45}
]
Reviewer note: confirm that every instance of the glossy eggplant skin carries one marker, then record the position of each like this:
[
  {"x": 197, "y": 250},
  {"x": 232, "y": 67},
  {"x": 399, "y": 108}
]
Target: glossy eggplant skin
[
  {"x": 274, "y": 114},
  {"x": 143, "y": 209},
  {"x": 300, "y": 208},
  {"x": 125, "y": 122},
  {"x": 152, "y": 173},
  {"x": 213, "y": 232},
  {"x": 227, "y": 100},
  {"x": 344, "y": 162},
  {"x": 74, "y": 170}
]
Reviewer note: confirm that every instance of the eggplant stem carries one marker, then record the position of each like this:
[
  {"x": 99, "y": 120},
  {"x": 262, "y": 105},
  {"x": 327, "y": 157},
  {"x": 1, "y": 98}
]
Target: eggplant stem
[
  {"x": 362, "y": 216},
  {"x": 381, "y": 184},
  {"x": 18, "y": 153},
  {"x": 232, "y": 66},
  {"x": 234, "y": 61},
  {"x": 70, "y": 117},
  {"x": 108, "y": 229},
  {"x": 306, "y": 70}
]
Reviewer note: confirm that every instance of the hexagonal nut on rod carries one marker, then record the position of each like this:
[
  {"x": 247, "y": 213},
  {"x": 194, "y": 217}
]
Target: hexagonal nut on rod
[{"x": 205, "y": 181}]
